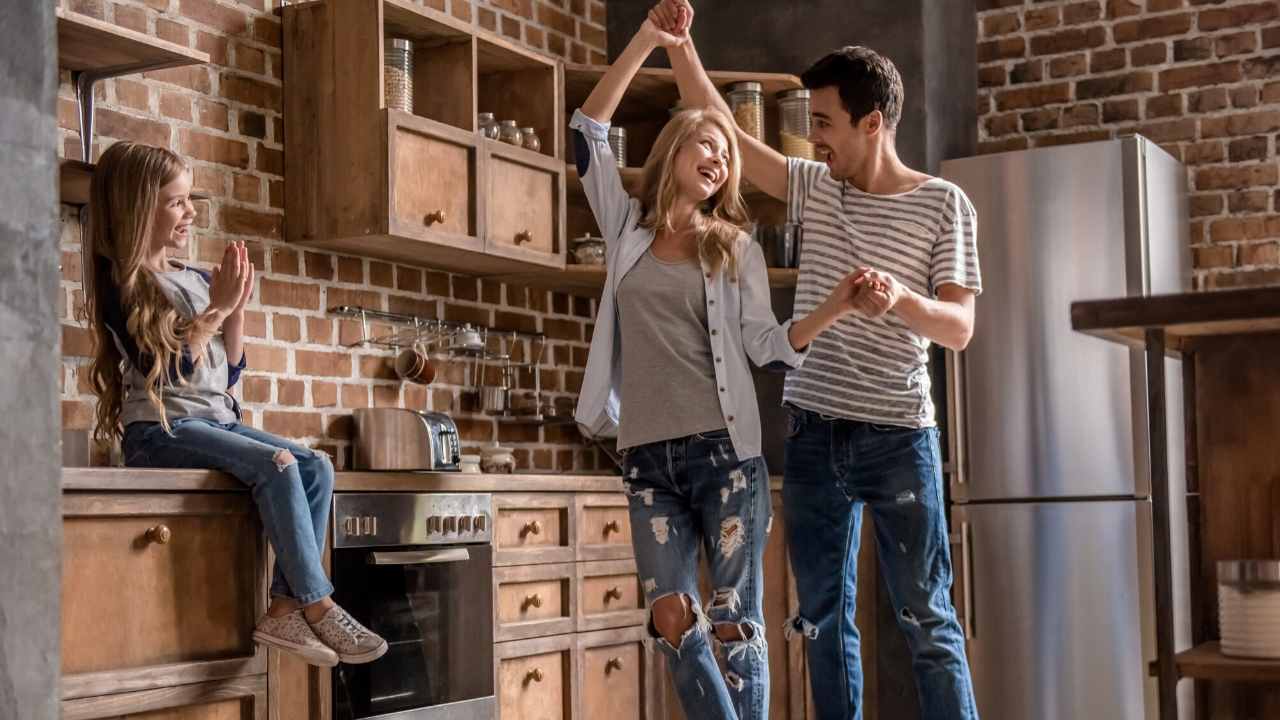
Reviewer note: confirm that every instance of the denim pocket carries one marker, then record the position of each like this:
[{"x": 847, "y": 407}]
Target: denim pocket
[{"x": 890, "y": 428}]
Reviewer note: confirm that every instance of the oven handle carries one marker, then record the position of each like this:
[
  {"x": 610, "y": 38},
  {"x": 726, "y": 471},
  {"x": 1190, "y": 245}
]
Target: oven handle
[{"x": 419, "y": 557}]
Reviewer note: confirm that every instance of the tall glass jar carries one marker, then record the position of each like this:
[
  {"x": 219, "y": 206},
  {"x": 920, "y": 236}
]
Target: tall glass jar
[
  {"x": 508, "y": 132},
  {"x": 746, "y": 100},
  {"x": 793, "y": 125},
  {"x": 618, "y": 144},
  {"x": 487, "y": 126},
  {"x": 397, "y": 73},
  {"x": 529, "y": 139}
]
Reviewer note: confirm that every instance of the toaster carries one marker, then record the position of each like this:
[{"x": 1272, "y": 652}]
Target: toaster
[{"x": 401, "y": 439}]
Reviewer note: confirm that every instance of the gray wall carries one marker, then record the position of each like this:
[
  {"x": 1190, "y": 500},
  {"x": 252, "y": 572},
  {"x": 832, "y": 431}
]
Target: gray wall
[
  {"x": 933, "y": 43},
  {"x": 30, "y": 525}
]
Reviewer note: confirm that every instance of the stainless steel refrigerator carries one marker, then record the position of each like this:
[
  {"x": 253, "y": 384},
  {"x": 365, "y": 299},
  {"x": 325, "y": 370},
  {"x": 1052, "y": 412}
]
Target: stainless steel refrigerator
[{"x": 1051, "y": 491}]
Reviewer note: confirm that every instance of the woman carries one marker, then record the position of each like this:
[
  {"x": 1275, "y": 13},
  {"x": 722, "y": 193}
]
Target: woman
[
  {"x": 164, "y": 334},
  {"x": 685, "y": 305}
]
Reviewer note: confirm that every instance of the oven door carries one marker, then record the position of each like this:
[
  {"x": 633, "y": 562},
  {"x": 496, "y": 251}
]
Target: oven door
[{"x": 434, "y": 606}]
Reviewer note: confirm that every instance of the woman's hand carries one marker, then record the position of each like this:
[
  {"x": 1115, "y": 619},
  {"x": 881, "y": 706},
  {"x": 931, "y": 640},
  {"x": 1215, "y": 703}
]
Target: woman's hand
[
  {"x": 674, "y": 17},
  {"x": 661, "y": 37},
  {"x": 247, "y": 266},
  {"x": 226, "y": 290}
]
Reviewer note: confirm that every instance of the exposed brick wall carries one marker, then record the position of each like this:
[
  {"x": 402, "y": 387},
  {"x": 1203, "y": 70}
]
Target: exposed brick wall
[
  {"x": 1199, "y": 77},
  {"x": 225, "y": 117}
]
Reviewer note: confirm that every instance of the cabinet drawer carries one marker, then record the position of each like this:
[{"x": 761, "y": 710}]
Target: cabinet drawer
[
  {"x": 609, "y": 595},
  {"x": 524, "y": 206},
  {"x": 604, "y": 527},
  {"x": 531, "y": 529},
  {"x": 534, "y": 679},
  {"x": 238, "y": 699},
  {"x": 174, "y": 580},
  {"x": 615, "y": 670},
  {"x": 533, "y": 601},
  {"x": 432, "y": 183}
]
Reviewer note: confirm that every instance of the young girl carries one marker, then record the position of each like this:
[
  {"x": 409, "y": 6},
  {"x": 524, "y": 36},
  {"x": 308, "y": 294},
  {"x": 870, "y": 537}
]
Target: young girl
[
  {"x": 685, "y": 304},
  {"x": 164, "y": 334}
]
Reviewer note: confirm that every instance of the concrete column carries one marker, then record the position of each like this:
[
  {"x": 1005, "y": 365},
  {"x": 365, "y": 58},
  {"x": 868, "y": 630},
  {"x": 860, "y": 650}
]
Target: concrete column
[{"x": 30, "y": 460}]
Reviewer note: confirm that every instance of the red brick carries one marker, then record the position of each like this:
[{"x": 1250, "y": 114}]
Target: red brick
[
  {"x": 1246, "y": 149},
  {"x": 1260, "y": 254},
  {"x": 386, "y": 396},
  {"x": 213, "y": 115},
  {"x": 1252, "y": 278},
  {"x": 1004, "y": 145},
  {"x": 1114, "y": 85},
  {"x": 408, "y": 279},
  {"x": 251, "y": 91},
  {"x": 319, "y": 266},
  {"x": 1122, "y": 8},
  {"x": 1271, "y": 93},
  {"x": 76, "y": 341},
  {"x": 466, "y": 314},
  {"x": 1213, "y": 256},
  {"x": 367, "y": 299},
  {"x": 250, "y": 59},
  {"x": 1204, "y": 153},
  {"x": 1165, "y": 132},
  {"x": 488, "y": 19},
  {"x": 1249, "y": 201},
  {"x": 195, "y": 77},
  {"x": 1002, "y": 49},
  {"x": 293, "y": 424},
  {"x": 174, "y": 32},
  {"x": 266, "y": 30},
  {"x": 555, "y": 19},
  {"x": 1164, "y": 106},
  {"x": 252, "y": 124},
  {"x": 1026, "y": 72},
  {"x": 1000, "y": 125},
  {"x": 1207, "y": 101},
  {"x": 270, "y": 160},
  {"x": 216, "y": 46},
  {"x": 1144, "y": 55},
  {"x": 1068, "y": 40},
  {"x": 289, "y": 294},
  {"x": 287, "y": 328},
  {"x": 319, "y": 363},
  {"x": 292, "y": 393},
  {"x": 420, "y": 307},
  {"x": 1151, "y": 27},
  {"x": 556, "y": 45},
  {"x": 1042, "y": 18},
  {"x": 211, "y": 148},
  {"x": 319, "y": 330},
  {"x": 1240, "y": 43},
  {"x": 1068, "y": 66},
  {"x": 1101, "y": 61},
  {"x": 1038, "y": 120},
  {"x": 1081, "y": 12},
  {"x": 1239, "y": 15},
  {"x": 377, "y": 367},
  {"x": 350, "y": 269},
  {"x": 535, "y": 37},
  {"x": 134, "y": 95},
  {"x": 1196, "y": 48},
  {"x": 1164, "y": 5},
  {"x": 113, "y": 124},
  {"x": 1031, "y": 97},
  {"x": 1072, "y": 138},
  {"x": 577, "y": 53},
  {"x": 461, "y": 10},
  {"x": 226, "y": 20},
  {"x": 1271, "y": 37},
  {"x": 175, "y": 106},
  {"x": 511, "y": 27},
  {"x": 382, "y": 274},
  {"x": 355, "y": 396},
  {"x": 1204, "y": 205},
  {"x": 243, "y": 221},
  {"x": 246, "y": 188},
  {"x": 324, "y": 394},
  {"x": 1081, "y": 115},
  {"x": 275, "y": 193},
  {"x": 1262, "y": 68},
  {"x": 1000, "y": 24},
  {"x": 265, "y": 358},
  {"x": 1200, "y": 75},
  {"x": 255, "y": 324},
  {"x": 1254, "y": 122},
  {"x": 255, "y": 389},
  {"x": 1226, "y": 178}
]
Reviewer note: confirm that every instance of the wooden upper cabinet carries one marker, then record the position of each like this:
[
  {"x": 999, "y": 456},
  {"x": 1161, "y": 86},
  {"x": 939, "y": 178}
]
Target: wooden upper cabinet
[{"x": 421, "y": 187}]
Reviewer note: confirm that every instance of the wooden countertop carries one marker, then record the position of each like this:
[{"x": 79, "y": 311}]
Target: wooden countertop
[
  {"x": 1184, "y": 318},
  {"x": 163, "y": 480}
]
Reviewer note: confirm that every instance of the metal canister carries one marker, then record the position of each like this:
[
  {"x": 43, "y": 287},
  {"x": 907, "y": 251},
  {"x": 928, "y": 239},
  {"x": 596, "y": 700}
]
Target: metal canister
[
  {"x": 618, "y": 144},
  {"x": 1249, "y": 608}
]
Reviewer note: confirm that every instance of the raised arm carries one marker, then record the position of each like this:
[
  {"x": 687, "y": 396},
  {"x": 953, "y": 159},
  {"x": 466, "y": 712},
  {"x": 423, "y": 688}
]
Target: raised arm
[
  {"x": 605, "y": 96},
  {"x": 762, "y": 166}
]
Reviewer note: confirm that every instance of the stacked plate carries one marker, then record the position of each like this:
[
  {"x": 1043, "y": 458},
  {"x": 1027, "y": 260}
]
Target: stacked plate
[{"x": 1249, "y": 608}]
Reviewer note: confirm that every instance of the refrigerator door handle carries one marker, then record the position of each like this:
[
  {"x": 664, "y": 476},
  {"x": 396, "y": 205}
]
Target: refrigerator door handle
[
  {"x": 961, "y": 540},
  {"x": 955, "y": 426}
]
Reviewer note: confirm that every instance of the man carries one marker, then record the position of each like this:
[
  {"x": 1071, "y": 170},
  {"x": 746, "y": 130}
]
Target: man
[{"x": 861, "y": 426}]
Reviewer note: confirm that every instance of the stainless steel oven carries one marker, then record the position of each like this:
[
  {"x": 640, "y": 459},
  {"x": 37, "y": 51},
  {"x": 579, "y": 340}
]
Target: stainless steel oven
[{"x": 417, "y": 569}]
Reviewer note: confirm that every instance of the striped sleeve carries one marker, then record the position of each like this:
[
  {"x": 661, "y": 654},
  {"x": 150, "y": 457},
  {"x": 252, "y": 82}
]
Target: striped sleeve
[
  {"x": 802, "y": 175},
  {"x": 955, "y": 252}
]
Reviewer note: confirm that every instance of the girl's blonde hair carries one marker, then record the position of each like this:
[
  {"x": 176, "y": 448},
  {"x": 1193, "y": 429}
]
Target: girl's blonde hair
[
  {"x": 724, "y": 215},
  {"x": 122, "y": 204}
]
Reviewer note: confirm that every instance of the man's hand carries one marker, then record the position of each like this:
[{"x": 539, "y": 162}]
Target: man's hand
[
  {"x": 881, "y": 292},
  {"x": 673, "y": 16},
  {"x": 661, "y": 37}
]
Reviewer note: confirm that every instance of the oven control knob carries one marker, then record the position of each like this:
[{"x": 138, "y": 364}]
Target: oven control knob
[
  {"x": 479, "y": 522},
  {"x": 464, "y": 524},
  {"x": 450, "y": 524},
  {"x": 433, "y": 524}
]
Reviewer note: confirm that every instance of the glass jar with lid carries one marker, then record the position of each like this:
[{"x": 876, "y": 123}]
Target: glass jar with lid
[
  {"x": 487, "y": 126},
  {"x": 529, "y": 139},
  {"x": 793, "y": 123},
  {"x": 397, "y": 73},
  {"x": 509, "y": 132},
  {"x": 746, "y": 100}
]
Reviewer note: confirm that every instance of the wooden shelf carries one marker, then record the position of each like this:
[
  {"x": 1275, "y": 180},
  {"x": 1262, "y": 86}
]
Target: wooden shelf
[
  {"x": 653, "y": 91},
  {"x": 403, "y": 19},
  {"x": 1183, "y": 317},
  {"x": 86, "y": 44},
  {"x": 588, "y": 280},
  {"x": 1206, "y": 662},
  {"x": 74, "y": 179}
]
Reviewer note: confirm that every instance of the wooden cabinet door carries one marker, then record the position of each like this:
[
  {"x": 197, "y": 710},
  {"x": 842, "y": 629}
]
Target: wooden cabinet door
[
  {"x": 533, "y": 601},
  {"x": 158, "y": 590},
  {"x": 604, "y": 527},
  {"x": 238, "y": 699},
  {"x": 533, "y": 528},
  {"x": 615, "y": 674},
  {"x": 609, "y": 595},
  {"x": 535, "y": 679},
  {"x": 433, "y": 180},
  {"x": 524, "y": 206}
]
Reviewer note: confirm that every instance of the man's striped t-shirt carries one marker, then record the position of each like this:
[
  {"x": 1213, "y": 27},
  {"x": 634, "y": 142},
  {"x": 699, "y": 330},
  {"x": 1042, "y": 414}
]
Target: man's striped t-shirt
[{"x": 874, "y": 370}]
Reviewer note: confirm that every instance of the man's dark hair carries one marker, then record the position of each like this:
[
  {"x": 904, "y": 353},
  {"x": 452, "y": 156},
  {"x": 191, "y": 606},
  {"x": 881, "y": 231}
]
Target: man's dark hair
[{"x": 866, "y": 80}]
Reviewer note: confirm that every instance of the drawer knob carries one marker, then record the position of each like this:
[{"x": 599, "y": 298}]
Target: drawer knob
[
  {"x": 436, "y": 216},
  {"x": 534, "y": 675},
  {"x": 531, "y": 528},
  {"x": 613, "y": 593},
  {"x": 612, "y": 527},
  {"x": 159, "y": 534},
  {"x": 524, "y": 236},
  {"x": 534, "y": 600},
  {"x": 613, "y": 664}
]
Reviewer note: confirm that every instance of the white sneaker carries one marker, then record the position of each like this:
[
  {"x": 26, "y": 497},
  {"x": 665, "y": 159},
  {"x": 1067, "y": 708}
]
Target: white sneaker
[{"x": 291, "y": 633}]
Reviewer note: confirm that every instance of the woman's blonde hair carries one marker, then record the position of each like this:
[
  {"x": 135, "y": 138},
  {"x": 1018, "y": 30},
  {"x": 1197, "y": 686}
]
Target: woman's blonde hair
[
  {"x": 122, "y": 203},
  {"x": 724, "y": 216}
]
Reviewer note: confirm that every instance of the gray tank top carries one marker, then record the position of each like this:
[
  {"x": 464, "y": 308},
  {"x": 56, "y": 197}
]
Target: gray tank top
[
  {"x": 204, "y": 394},
  {"x": 668, "y": 378}
]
